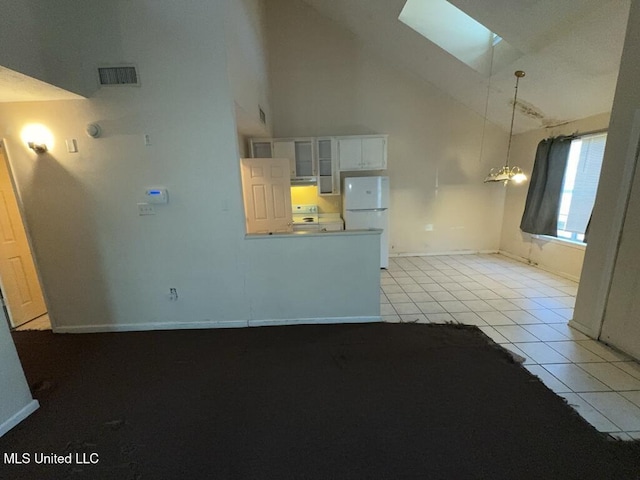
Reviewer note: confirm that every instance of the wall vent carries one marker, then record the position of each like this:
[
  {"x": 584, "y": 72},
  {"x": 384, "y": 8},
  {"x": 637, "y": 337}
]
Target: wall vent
[{"x": 120, "y": 75}]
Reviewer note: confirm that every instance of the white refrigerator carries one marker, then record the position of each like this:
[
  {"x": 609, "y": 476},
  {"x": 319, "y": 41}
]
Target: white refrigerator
[{"x": 366, "y": 205}]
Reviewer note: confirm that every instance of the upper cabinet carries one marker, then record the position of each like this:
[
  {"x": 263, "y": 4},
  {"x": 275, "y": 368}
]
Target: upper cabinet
[
  {"x": 322, "y": 159},
  {"x": 362, "y": 152},
  {"x": 299, "y": 151},
  {"x": 286, "y": 149},
  {"x": 328, "y": 172},
  {"x": 261, "y": 148},
  {"x": 305, "y": 161}
]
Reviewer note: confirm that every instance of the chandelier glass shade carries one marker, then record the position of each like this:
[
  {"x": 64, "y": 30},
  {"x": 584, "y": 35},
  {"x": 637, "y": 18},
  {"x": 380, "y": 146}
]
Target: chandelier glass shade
[{"x": 507, "y": 173}]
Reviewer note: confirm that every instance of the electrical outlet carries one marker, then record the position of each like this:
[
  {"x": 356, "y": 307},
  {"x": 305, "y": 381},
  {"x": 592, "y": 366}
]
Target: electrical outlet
[
  {"x": 173, "y": 294},
  {"x": 146, "y": 209}
]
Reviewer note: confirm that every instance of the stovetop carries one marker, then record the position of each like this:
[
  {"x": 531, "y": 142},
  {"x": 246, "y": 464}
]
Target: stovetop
[{"x": 305, "y": 214}]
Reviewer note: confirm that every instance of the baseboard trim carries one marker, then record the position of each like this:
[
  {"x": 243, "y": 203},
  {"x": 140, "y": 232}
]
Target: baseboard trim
[
  {"x": 525, "y": 260},
  {"x": 19, "y": 416},
  {"x": 583, "y": 329},
  {"x": 313, "y": 321},
  {"x": 141, "y": 327},
  {"x": 452, "y": 252},
  {"x": 133, "y": 327}
]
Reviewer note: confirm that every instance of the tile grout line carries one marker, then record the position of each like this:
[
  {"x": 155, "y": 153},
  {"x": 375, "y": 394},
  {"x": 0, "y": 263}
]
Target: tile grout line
[{"x": 545, "y": 300}]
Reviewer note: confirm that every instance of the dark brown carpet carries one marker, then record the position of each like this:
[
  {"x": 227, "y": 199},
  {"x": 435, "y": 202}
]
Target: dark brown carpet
[{"x": 305, "y": 402}]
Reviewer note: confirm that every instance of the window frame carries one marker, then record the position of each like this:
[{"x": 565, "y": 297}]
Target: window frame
[{"x": 567, "y": 194}]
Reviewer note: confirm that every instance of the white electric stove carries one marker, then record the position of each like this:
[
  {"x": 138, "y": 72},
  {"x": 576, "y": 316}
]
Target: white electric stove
[{"x": 305, "y": 217}]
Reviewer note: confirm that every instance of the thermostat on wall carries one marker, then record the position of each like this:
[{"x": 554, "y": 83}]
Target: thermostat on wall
[{"x": 157, "y": 195}]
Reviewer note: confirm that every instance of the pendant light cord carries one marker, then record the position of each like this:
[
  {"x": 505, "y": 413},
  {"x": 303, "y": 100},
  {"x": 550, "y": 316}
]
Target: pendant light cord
[
  {"x": 486, "y": 104},
  {"x": 518, "y": 74}
]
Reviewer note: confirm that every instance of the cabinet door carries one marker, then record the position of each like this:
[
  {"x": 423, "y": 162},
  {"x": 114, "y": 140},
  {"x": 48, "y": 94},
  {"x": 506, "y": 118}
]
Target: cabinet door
[
  {"x": 304, "y": 158},
  {"x": 286, "y": 149},
  {"x": 328, "y": 173},
  {"x": 374, "y": 153},
  {"x": 335, "y": 168},
  {"x": 261, "y": 148},
  {"x": 350, "y": 154}
]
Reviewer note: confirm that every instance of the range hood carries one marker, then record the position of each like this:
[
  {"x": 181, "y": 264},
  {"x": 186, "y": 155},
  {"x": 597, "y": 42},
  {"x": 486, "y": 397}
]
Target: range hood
[{"x": 299, "y": 181}]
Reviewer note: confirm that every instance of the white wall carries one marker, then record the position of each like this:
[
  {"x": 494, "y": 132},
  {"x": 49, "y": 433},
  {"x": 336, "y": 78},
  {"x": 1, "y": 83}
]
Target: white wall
[
  {"x": 19, "y": 39},
  {"x": 100, "y": 262},
  {"x": 609, "y": 288},
  {"x": 48, "y": 40},
  {"x": 247, "y": 65},
  {"x": 103, "y": 266},
  {"x": 323, "y": 82},
  {"x": 338, "y": 282},
  {"x": 15, "y": 398},
  {"x": 562, "y": 258}
]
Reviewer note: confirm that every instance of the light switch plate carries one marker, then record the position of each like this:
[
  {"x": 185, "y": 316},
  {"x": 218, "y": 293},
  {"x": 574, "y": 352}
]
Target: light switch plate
[
  {"x": 72, "y": 145},
  {"x": 146, "y": 209}
]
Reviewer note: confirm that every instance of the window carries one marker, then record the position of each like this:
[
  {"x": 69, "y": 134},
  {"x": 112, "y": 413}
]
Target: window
[
  {"x": 580, "y": 185},
  {"x": 459, "y": 34}
]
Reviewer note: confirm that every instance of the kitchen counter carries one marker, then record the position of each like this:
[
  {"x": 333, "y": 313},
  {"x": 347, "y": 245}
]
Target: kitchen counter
[
  {"x": 316, "y": 233},
  {"x": 313, "y": 277},
  {"x": 329, "y": 218}
]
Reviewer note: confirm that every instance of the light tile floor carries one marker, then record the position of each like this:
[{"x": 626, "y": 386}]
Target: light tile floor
[{"x": 525, "y": 310}]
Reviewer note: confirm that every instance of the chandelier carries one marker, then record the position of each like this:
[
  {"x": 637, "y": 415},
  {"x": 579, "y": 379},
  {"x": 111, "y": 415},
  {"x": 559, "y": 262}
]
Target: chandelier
[{"x": 507, "y": 173}]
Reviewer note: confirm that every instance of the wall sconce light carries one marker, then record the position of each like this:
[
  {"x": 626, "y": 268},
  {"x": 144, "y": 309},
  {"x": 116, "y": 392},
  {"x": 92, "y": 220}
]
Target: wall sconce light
[
  {"x": 38, "y": 147},
  {"x": 37, "y": 137}
]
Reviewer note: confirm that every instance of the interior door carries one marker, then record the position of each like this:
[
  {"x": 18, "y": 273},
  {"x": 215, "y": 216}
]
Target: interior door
[
  {"x": 20, "y": 284},
  {"x": 266, "y": 188}
]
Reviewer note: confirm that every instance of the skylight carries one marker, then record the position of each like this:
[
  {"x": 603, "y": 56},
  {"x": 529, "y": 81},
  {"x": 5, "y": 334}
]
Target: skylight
[{"x": 459, "y": 34}]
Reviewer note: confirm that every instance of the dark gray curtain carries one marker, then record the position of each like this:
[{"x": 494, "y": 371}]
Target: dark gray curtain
[
  {"x": 543, "y": 198},
  {"x": 586, "y": 230}
]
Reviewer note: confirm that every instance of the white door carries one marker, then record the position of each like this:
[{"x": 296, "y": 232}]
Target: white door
[
  {"x": 20, "y": 284},
  {"x": 266, "y": 189}
]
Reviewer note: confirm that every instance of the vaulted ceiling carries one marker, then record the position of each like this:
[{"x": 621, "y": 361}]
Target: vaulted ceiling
[
  {"x": 16, "y": 87},
  {"x": 570, "y": 52}
]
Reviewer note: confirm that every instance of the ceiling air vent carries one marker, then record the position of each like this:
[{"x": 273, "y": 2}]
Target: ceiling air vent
[{"x": 121, "y": 75}]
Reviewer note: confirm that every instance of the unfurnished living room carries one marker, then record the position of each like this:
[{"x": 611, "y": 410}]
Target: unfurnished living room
[{"x": 319, "y": 239}]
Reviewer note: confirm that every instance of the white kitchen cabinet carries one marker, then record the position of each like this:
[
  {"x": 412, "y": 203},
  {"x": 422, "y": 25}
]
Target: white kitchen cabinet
[
  {"x": 261, "y": 148},
  {"x": 299, "y": 151},
  {"x": 286, "y": 149},
  {"x": 305, "y": 160},
  {"x": 328, "y": 172},
  {"x": 362, "y": 152}
]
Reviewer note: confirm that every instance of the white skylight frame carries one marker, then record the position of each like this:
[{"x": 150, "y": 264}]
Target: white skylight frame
[{"x": 459, "y": 34}]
